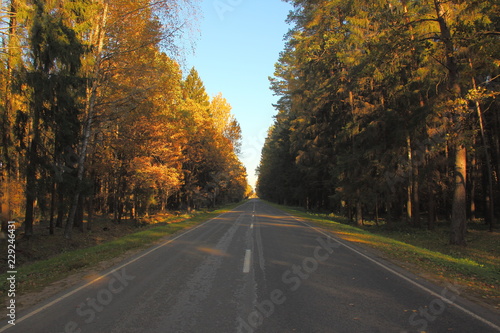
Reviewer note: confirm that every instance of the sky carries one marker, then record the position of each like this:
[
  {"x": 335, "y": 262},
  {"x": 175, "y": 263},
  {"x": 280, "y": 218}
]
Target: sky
[{"x": 239, "y": 43}]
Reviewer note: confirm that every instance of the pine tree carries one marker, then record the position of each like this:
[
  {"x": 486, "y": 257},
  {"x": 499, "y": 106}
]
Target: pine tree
[
  {"x": 56, "y": 53},
  {"x": 367, "y": 124}
]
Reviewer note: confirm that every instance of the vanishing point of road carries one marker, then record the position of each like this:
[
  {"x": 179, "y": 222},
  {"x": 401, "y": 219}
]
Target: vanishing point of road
[{"x": 256, "y": 269}]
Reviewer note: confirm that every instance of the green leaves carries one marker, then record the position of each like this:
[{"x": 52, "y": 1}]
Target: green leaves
[{"x": 363, "y": 85}]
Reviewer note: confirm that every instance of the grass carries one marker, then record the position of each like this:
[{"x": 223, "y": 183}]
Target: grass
[
  {"x": 35, "y": 275},
  {"x": 476, "y": 268}
]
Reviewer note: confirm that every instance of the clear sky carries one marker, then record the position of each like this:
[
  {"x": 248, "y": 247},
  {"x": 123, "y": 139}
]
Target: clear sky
[{"x": 239, "y": 44}]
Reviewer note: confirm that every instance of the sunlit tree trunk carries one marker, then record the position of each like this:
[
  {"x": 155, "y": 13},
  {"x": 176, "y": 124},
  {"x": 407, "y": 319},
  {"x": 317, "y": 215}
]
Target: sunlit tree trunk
[
  {"x": 89, "y": 114},
  {"x": 359, "y": 209},
  {"x": 459, "y": 213},
  {"x": 459, "y": 206},
  {"x": 359, "y": 214}
]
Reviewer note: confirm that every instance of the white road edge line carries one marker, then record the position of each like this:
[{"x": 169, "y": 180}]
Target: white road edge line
[
  {"x": 416, "y": 284},
  {"x": 246, "y": 262},
  {"x": 57, "y": 300}
]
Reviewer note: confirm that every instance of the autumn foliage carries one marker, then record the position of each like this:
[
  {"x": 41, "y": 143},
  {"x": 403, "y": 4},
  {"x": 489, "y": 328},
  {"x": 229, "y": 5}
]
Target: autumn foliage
[{"x": 97, "y": 117}]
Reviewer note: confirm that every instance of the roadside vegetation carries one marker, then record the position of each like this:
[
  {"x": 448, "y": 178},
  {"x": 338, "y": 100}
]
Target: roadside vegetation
[
  {"x": 408, "y": 135},
  {"x": 94, "y": 127},
  {"x": 476, "y": 268}
]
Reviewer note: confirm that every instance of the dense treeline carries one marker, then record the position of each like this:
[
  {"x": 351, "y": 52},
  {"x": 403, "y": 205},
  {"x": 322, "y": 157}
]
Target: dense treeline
[
  {"x": 389, "y": 108},
  {"x": 96, "y": 117}
]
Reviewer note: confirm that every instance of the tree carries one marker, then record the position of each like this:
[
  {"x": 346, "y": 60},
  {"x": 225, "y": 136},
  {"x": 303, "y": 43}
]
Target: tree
[
  {"x": 367, "y": 127},
  {"x": 13, "y": 15},
  {"x": 95, "y": 115},
  {"x": 139, "y": 26},
  {"x": 55, "y": 60}
]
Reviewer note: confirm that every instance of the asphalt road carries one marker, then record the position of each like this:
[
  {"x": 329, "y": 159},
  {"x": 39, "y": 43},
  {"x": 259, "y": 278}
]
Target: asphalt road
[{"x": 256, "y": 269}]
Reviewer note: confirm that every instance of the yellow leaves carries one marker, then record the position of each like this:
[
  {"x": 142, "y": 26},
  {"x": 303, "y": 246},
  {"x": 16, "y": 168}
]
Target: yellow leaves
[
  {"x": 422, "y": 73},
  {"x": 148, "y": 171},
  {"x": 480, "y": 93},
  {"x": 378, "y": 75},
  {"x": 198, "y": 114},
  {"x": 212, "y": 139},
  {"x": 359, "y": 23},
  {"x": 220, "y": 111}
]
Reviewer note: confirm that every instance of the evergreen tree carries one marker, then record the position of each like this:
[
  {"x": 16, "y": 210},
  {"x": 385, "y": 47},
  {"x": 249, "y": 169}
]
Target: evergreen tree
[
  {"x": 55, "y": 60},
  {"x": 368, "y": 127}
]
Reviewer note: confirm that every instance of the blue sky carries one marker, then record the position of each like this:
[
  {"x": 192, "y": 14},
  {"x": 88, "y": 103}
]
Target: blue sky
[{"x": 239, "y": 43}]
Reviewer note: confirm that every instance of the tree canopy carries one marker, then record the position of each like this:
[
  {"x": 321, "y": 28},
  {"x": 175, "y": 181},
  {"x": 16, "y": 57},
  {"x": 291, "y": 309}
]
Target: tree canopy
[
  {"x": 96, "y": 116},
  {"x": 388, "y": 107}
]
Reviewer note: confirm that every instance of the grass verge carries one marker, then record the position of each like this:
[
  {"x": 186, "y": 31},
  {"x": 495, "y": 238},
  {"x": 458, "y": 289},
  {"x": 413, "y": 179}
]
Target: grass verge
[
  {"x": 476, "y": 268},
  {"x": 33, "y": 277}
]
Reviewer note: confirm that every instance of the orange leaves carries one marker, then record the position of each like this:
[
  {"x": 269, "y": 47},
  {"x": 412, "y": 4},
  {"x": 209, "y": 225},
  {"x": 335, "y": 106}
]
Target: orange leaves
[
  {"x": 212, "y": 170},
  {"x": 155, "y": 176}
]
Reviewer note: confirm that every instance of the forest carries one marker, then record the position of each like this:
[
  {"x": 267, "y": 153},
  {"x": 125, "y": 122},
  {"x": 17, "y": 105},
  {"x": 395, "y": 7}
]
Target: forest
[
  {"x": 98, "y": 117},
  {"x": 388, "y": 110}
]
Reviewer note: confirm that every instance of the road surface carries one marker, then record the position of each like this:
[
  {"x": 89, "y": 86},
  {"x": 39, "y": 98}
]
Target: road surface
[{"x": 255, "y": 269}]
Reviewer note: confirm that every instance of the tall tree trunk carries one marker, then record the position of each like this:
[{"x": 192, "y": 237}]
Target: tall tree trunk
[
  {"x": 90, "y": 110},
  {"x": 415, "y": 211},
  {"x": 90, "y": 212},
  {"x": 90, "y": 202},
  {"x": 117, "y": 204},
  {"x": 472, "y": 188},
  {"x": 459, "y": 211},
  {"x": 487, "y": 204},
  {"x": 409, "y": 190},
  {"x": 359, "y": 210},
  {"x": 459, "y": 206},
  {"x": 60, "y": 205},
  {"x": 162, "y": 201},
  {"x": 133, "y": 209},
  {"x": 359, "y": 214},
  {"x": 415, "y": 198},
  {"x": 31, "y": 181},
  {"x": 490, "y": 195},
  {"x": 496, "y": 161},
  {"x": 120, "y": 211},
  {"x": 53, "y": 203},
  {"x": 431, "y": 206},
  {"x": 80, "y": 213},
  {"x": 349, "y": 211},
  {"x": 32, "y": 167}
]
